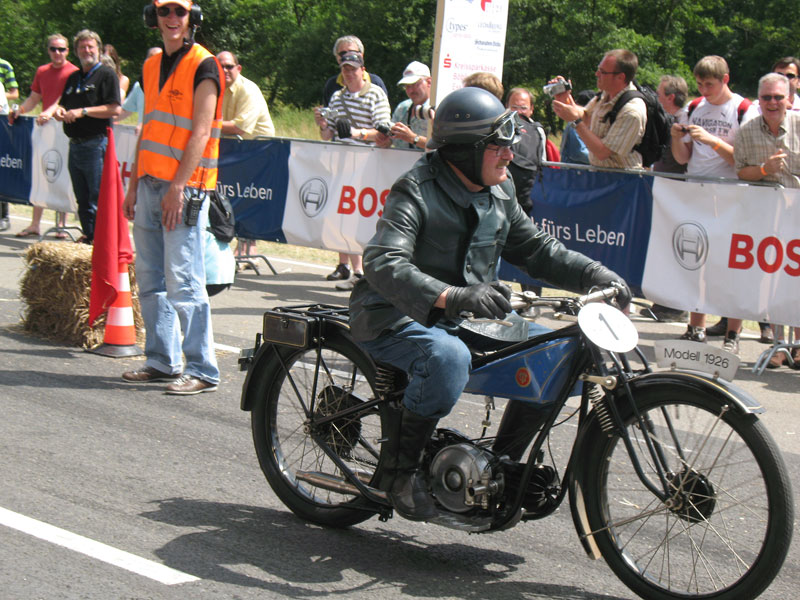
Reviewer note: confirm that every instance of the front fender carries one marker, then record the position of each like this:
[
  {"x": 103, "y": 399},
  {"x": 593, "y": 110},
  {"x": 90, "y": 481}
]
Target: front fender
[{"x": 724, "y": 391}]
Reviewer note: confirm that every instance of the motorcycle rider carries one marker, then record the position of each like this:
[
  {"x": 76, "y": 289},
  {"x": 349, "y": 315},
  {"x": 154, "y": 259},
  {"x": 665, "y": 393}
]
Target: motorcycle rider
[{"x": 434, "y": 256}]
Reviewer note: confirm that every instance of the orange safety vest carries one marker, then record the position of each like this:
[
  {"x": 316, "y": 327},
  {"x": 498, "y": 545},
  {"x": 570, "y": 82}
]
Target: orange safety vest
[{"x": 167, "y": 122}]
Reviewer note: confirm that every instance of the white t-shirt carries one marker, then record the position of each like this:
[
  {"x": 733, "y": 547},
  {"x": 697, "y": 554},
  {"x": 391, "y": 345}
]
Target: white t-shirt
[{"x": 720, "y": 120}]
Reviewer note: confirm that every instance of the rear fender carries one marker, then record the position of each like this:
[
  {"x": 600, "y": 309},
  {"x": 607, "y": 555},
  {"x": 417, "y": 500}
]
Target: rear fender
[
  {"x": 726, "y": 392},
  {"x": 264, "y": 361}
]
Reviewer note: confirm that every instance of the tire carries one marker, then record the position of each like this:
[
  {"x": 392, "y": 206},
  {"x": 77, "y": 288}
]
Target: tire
[
  {"x": 282, "y": 431},
  {"x": 731, "y": 535}
]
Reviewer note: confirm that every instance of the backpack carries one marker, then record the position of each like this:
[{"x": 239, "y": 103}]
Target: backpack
[
  {"x": 656, "y": 129},
  {"x": 221, "y": 222},
  {"x": 743, "y": 106}
]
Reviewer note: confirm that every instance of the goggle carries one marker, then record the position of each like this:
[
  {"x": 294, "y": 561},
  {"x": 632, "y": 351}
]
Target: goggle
[{"x": 505, "y": 130}]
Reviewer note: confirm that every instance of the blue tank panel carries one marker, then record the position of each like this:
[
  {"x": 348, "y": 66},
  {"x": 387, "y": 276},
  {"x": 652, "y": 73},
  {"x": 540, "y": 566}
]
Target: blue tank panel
[{"x": 535, "y": 376}]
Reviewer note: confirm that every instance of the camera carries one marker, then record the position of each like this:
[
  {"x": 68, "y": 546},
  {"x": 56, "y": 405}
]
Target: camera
[
  {"x": 384, "y": 128},
  {"x": 329, "y": 114},
  {"x": 420, "y": 111},
  {"x": 559, "y": 87}
]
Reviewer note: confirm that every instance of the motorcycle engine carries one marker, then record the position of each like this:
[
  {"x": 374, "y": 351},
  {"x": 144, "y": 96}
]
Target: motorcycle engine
[{"x": 462, "y": 478}]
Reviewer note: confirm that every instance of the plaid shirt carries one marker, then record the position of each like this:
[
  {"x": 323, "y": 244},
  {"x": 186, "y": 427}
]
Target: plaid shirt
[
  {"x": 623, "y": 135},
  {"x": 755, "y": 143}
]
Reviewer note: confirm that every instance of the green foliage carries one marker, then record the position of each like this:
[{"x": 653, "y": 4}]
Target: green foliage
[{"x": 285, "y": 45}]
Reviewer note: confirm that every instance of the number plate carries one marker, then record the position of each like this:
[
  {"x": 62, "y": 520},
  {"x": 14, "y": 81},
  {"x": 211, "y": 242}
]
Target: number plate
[
  {"x": 608, "y": 327},
  {"x": 694, "y": 356}
]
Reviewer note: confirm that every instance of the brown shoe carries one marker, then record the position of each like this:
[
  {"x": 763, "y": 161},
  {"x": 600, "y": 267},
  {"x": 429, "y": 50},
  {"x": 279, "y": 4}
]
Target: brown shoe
[
  {"x": 778, "y": 359},
  {"x": 188, "y": 385},
  {"x": 148, "y": 375}
]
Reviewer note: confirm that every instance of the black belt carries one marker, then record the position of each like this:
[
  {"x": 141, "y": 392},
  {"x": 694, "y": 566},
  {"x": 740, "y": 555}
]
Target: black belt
[{"x": 80, "y": 140}]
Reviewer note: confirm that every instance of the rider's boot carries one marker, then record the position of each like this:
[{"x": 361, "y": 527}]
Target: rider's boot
[
  {"x": 521, "y": 421},
  {"x": 409, "y": 492},
  {"x": 389, "y": 447}
]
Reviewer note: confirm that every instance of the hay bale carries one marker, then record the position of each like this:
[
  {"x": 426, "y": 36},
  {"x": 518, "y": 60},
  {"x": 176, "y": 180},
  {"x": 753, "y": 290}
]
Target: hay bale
[{"x": 55, "y": 291}]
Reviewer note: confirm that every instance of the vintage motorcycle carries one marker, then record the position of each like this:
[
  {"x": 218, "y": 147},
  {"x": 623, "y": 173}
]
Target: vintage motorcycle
[{"x": 671, "y": 477}]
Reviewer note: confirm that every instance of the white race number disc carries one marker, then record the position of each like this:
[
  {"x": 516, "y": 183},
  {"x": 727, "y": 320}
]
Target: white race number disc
[{"x": 608, "y": 327}]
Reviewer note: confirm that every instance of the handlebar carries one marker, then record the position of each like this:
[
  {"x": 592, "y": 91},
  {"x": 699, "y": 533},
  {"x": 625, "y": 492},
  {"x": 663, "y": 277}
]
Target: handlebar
[{"x": 523, "y": 300}]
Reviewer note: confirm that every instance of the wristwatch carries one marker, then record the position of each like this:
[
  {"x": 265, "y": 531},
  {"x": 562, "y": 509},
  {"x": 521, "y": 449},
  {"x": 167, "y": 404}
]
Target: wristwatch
[
  {"x": 577, "y": 121},
  {"x": 416, "y": 140},
  {"x": 84, "y": 112}
]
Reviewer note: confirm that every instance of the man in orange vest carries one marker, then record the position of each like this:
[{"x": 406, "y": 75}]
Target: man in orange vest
[{"x": 175, "y": 169}]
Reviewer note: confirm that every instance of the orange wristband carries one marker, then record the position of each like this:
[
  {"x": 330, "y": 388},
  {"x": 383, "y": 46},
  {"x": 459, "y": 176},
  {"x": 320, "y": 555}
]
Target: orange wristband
[
  {"x": 717, "y": 146},
  {"x": 763, "y": 172}
]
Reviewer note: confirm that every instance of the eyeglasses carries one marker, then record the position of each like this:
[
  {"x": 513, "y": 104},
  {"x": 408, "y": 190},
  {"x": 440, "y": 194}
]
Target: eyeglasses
[
  {"x": 228, "y": 67},
  {"x": 519, "y": 107},
  {"x": 770, "y": 98},
  {"x": 163, "y": 11},
  {"x": 599, "y": 70},
  {"x": 56, "y": 49},
  {"x": 343, "y": 52},
  {"x": 788, "y": 75}
]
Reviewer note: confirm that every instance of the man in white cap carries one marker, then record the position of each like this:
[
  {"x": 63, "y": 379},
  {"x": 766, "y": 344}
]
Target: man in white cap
[{"x": 410, "y": 118}]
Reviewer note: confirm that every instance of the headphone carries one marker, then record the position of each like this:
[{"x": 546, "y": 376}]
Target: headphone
[{"x": 151, "y": 20}]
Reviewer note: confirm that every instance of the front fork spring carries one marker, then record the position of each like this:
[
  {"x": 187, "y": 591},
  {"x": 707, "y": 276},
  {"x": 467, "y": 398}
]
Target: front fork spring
[{"x": 598, "y": 399}]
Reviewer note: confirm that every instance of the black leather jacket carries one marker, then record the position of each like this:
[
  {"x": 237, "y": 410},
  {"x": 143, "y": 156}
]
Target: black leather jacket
[{"x": 434, "y": 234}]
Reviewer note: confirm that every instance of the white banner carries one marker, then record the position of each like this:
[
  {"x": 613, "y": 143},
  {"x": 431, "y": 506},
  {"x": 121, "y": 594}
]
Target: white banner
[
  {"x": 729, "y": 250},
  {"x": 51, "y": 186},
  {"x": 336, "y": 193},
  {"x": 471, "y": 37}
]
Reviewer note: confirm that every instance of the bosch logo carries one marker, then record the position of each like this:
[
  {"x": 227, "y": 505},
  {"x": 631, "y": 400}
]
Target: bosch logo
[
  {"x": 52, "y": 163},
  {"x": 313, "y": 196},
  {"x": 690, "y": 245}
]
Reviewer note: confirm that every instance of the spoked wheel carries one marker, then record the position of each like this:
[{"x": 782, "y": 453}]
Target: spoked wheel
[
  {"x": 725, "y": 528},
  {"x": 290, "y": 421}
]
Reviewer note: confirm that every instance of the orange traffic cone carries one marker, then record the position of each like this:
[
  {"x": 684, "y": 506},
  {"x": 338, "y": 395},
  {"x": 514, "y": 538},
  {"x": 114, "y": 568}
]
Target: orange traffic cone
[{"x": 120, "y": 336}]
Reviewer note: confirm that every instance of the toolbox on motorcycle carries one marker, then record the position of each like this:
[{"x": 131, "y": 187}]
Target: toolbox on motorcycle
[{"x": 288, "y": 328}]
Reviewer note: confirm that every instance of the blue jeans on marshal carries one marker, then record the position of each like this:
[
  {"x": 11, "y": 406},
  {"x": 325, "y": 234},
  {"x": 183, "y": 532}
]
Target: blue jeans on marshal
[
  {"x": 437, "y": 363},
  {"x": 85, "y": 166},
  {"x": 171, "y": 275}
]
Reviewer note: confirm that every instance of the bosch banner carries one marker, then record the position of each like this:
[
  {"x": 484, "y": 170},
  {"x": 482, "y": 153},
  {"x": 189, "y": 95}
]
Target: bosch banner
[
  {"x": 606, "y": 216},
  {"x": 51, "y": 186},
  {"x": 337, "y": 192},
  {"x": 15, "y": 158},
  {"x": 725, "y": 250}
]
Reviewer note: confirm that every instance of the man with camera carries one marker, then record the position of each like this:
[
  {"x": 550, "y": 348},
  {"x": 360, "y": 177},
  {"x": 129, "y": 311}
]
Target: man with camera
[
  {"x": 410, "y": 118},
  {"x": 610, "y": 144},
  {"x": 174, "y": 170}
]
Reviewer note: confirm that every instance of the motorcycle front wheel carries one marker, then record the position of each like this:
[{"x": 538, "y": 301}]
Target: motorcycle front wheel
[
  {"x": 294, "y": 398},
  {"x": 725, "y": 528}
]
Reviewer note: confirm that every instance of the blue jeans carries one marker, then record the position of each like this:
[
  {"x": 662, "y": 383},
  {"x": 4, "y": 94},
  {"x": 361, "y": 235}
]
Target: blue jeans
[
  {"x": 437, "y": 363},
  {"x": 171, "y": 275},
  {"x": 85, "y": 166}
]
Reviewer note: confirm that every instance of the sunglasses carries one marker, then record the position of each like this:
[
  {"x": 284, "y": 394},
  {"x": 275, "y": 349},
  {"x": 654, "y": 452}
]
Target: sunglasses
[
  {"x": 770, "y": 98},
  {"x": 789, "y": 75},
  {"x": 163, "y": 11},
  {"x": 56, "y": 49},
  {"x": 228, "y": 67}
]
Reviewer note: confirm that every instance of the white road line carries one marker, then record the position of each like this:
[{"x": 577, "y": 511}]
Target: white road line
[
  {"x": 224, "y": 348},
  {"x": 102, "y": 552}
]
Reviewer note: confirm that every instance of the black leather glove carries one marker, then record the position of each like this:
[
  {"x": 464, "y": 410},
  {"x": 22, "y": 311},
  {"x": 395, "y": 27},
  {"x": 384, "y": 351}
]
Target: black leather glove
[
  {"x": 343, "y": 130},
  {"x": 487, "y": 300},
  {"x": 596, "y": 275}
]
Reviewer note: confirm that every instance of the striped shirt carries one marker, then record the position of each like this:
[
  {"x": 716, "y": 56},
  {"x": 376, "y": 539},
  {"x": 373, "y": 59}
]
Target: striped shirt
[
  {"x": 755, "y": 144},
  {"x": 7, "y": 77},
  {"x": 621, "y": 136},
  {"x": 365, "y": 109}
]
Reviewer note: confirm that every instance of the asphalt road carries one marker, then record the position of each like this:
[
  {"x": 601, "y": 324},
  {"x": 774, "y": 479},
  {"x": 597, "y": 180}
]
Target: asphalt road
[{"x": 111, "y": 490}]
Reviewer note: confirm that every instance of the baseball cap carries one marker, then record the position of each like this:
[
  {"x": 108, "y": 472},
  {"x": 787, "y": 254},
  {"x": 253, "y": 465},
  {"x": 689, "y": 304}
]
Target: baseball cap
[
  {"x": 353, "y": 59},
  {"x": 414, "y": 72},
  {"x": 187, "y": 4}
]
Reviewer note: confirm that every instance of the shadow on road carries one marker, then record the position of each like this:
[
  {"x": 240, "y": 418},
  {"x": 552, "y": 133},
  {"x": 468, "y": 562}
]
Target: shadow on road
[{"x": 273, "y": 550}]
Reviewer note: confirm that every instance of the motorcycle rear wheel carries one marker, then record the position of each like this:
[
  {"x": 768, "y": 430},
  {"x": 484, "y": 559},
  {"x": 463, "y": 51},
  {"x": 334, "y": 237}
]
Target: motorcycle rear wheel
[
  {"x": 728, "y": 529},
  {"x": 284, "y": 423}
]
